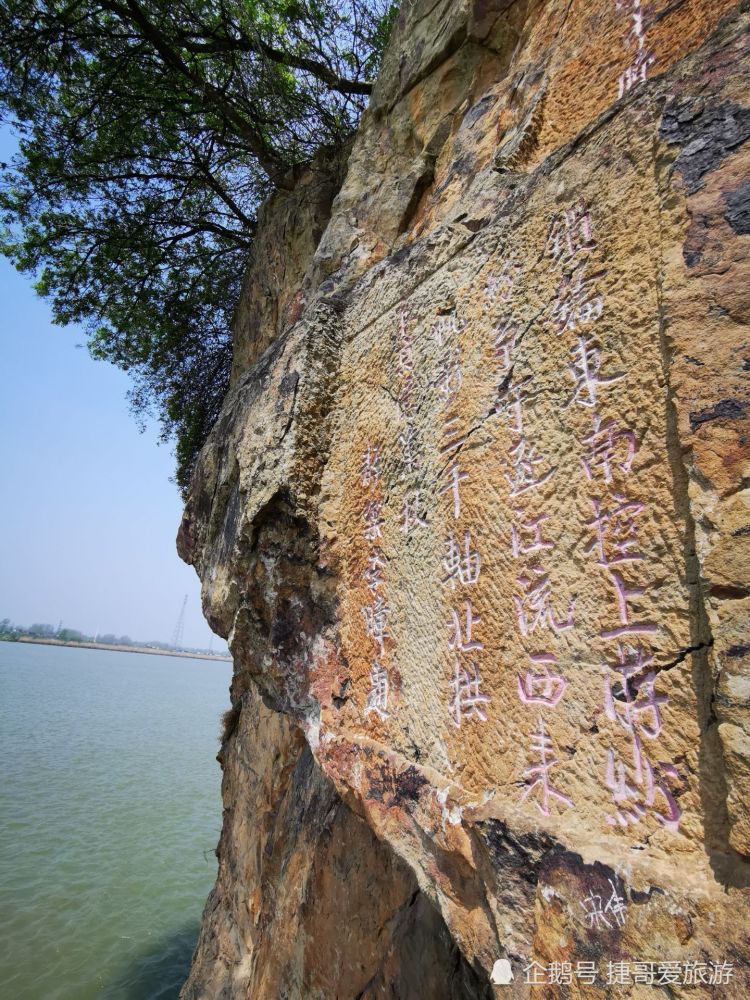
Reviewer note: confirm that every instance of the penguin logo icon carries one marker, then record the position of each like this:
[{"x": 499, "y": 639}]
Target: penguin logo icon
[{"x": 502, "y": 974}]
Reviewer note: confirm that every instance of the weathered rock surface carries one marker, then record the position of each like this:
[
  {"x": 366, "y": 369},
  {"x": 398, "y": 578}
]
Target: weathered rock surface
[{"x": 475, "y": 521}]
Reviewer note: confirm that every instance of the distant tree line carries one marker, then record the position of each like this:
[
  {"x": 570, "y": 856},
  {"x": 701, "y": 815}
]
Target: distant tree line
[
  {"x": 9, "y": 632},
  {"x": 43, "y": 630}
]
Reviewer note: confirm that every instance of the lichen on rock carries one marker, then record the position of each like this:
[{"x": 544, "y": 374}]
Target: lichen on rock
[{"x": 474, "y": 519}]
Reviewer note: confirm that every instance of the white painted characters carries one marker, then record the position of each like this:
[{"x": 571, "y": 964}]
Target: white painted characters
[
  {"x": 467, "y": 700},
  {"x": 462, "y": 630},
  {"x": 534, "y": 608},
  {"x": 571, "y": 233},
  {"x": 537, "y": 776},
  {"x": 543, "y": 685},
  {"x": 370, "y": 466},
  {"x": 577, "y": 301},
  {"x": 376, "y": 622},
  {"x": 600, "y": 914},
  {"x": 411, "y": 513},
  {"x": 585, "y": 370},
  {"x": 610, "y": 447},
  {"x": 461, "y": 565},
  {"x": 377, "y": 698},
  {"x": 376, "y": 613},
  {"x": 635, "y": 38}
]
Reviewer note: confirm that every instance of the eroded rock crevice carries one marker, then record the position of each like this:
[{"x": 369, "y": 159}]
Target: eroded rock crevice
[{"x": 308, "y": 902}]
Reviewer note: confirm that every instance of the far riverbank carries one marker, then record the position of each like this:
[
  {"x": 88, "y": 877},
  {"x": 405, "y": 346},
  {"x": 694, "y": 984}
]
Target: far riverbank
[{"x": 123, "y": 649}]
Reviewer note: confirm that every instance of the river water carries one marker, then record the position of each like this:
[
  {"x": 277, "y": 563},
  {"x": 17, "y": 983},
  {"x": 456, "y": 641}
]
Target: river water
[{"x": 110, "y": 810}]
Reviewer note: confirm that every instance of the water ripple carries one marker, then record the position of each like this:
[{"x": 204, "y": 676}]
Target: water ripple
[{"x": 109, "y": 812}]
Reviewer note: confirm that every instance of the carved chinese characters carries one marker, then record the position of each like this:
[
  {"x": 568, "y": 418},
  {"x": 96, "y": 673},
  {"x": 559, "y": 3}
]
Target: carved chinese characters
[
  {"x": 526, "y": 470},
  {"x": 492, "y": 477},
  {"x": 519, "y": 599},
  {"x": 375, "y": 614},
  {"x": 635, "y": 41},
  {"x": 636, "y": 785},
  {"x": 461, "y": 563}
]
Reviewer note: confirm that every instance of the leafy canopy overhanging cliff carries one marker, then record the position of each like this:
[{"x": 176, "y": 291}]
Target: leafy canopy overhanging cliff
[{"x": 149, "y": 133}]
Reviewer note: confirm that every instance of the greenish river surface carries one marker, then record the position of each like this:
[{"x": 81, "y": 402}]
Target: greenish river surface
[{"x": 110, "y": 811}]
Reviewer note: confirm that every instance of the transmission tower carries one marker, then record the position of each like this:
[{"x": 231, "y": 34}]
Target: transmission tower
[{"x": 180, "y": 626}]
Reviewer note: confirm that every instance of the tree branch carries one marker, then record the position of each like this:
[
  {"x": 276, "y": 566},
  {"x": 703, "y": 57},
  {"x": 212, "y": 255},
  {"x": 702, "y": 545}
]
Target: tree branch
[
  {"x": 267, "y": 157},
  {"x": 316, "y": 67}
]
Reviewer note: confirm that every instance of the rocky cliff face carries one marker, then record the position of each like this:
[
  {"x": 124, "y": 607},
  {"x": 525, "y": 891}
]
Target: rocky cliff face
[{"x": 475, "y": 522}]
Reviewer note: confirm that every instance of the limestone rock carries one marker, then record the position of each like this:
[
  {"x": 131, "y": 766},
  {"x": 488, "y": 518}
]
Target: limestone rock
[{"x": 475, "y": 521}]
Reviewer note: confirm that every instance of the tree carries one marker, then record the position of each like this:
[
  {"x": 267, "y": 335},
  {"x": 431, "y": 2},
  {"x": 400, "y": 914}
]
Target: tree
[
  {"x": 149, "y": 132},
  {"x": 70, "y": 635},
  {"x": 41, "y": 630},
  {"x": 9, "y": 631}
]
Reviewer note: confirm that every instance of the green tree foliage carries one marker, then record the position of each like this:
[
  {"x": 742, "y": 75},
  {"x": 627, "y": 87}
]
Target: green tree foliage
[
  {"x": 70, "y": 635},
  {"x": 41, "y": 630},
  {"x": 149, "y": 131}
]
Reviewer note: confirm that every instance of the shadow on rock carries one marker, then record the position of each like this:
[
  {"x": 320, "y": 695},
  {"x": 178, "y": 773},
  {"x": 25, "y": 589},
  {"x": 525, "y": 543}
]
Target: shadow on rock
[{"x": 159, "y": 972}]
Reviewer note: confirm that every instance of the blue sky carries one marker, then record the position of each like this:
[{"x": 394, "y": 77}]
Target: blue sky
[{"x": 88, "y": 516}]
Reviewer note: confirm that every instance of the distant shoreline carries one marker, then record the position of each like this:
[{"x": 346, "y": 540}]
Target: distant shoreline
[{"x": 124, "y": 649}]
